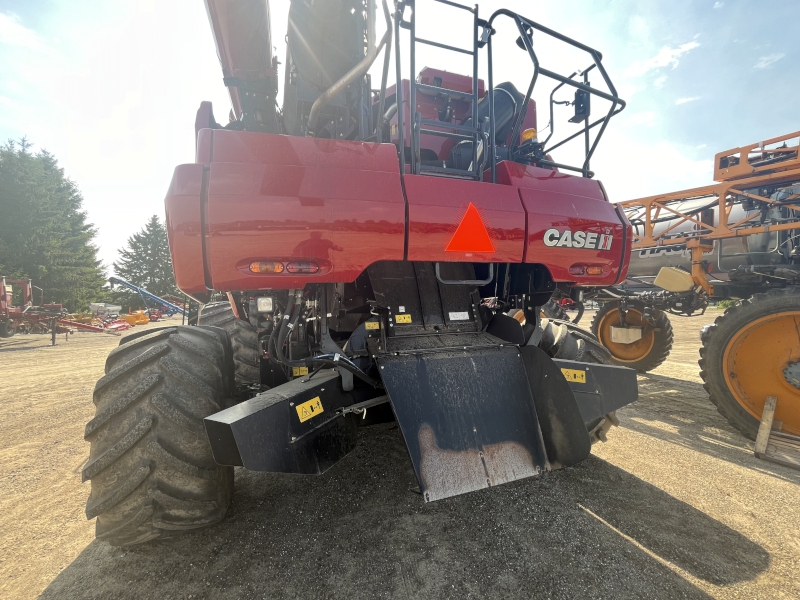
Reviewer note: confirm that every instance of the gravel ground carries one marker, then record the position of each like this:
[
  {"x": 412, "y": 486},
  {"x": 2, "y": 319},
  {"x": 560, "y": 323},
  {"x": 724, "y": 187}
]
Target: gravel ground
[{"x": 673, "y": 506}]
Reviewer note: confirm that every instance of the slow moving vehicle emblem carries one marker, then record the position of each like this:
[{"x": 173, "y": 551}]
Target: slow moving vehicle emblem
[{"x": 471, "y": 235}]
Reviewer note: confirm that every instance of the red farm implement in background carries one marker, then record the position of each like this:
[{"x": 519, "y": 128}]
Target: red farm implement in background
[
  {"x": 26, "y": 318},
  {"x": 43, "y": 318}
]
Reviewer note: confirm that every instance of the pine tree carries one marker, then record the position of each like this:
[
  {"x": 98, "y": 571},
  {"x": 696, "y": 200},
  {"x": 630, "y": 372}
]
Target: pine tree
[
  {"x": 44, "y": 235},
  {"x": 146, "y": 262}
]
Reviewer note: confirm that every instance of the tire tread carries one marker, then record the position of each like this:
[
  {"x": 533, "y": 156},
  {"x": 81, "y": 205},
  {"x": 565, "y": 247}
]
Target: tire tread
[{"x": 151, "y": 468}]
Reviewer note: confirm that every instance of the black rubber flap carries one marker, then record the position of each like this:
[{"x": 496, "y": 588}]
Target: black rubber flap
[
  {"x": 507, "y": 329},
  {"x": 292, "y": 428},
  {"x": 565, "y": 436},
  {"x": 467, "y": 417}
]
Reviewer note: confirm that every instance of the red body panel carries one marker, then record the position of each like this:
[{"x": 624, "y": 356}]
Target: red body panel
[
  {"x": 182, "y": 205},
  {"x": 341, "y": 205},
  {"x": 275, "y": 197},
  {"x": 554, "y": 200},
  {"x": 436, "y": 206}
]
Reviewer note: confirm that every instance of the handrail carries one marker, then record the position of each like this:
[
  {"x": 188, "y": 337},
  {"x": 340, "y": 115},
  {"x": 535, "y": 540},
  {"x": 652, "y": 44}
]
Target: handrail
[{"x": 617, "y": 104}]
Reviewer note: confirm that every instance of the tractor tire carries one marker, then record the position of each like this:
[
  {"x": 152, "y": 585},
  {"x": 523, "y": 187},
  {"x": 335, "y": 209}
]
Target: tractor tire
[
  {"x": 647, "y": 353},
  {"x": 562, "y": 339},
  {"x": 752, "y": 352},
  {"x": 553, "y": 310},
  {"x": 6, "y": 330},
  {"x": 150, "y": 464},
  {"x": 244, "y": 339}
]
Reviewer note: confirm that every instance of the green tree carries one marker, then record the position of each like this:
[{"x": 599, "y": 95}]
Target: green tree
[
  {"x": 44, "y": 235},
  {"x": 145, "y": 261}
]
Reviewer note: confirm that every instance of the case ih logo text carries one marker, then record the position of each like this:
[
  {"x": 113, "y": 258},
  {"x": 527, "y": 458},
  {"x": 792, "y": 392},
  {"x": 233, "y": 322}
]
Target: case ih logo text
[{"x": 579, "y": 239}]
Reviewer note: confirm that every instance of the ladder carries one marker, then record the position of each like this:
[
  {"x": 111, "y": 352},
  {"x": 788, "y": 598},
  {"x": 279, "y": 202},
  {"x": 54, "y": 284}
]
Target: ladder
[{"x": 477, "y": 132}]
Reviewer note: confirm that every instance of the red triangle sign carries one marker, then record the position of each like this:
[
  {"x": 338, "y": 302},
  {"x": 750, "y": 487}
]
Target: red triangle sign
[{"x": 471, "y": 235}]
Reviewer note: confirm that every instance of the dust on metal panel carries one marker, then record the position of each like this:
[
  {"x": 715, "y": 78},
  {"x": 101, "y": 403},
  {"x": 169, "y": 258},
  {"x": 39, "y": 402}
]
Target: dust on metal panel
[{"x": 446, "y": 473}]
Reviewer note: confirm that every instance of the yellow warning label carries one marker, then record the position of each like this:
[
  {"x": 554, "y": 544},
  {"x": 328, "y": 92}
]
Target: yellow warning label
[
  {"x": 309, "y": 409},
  {"x": 574, "y": 375},
  {"x": 298, "y": 371},
  {"x": 402, "y": 318},
  {"x": 372, "y": 325}
]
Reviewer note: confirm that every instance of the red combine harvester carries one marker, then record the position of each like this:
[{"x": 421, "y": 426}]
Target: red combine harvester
[{"x": 385, "y": 253}]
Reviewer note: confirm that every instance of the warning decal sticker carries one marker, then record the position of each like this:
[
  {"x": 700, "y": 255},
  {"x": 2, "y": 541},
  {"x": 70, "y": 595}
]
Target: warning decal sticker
[
  {"x": 574, "y": 375},
  {"x": 309, "y": 409}
]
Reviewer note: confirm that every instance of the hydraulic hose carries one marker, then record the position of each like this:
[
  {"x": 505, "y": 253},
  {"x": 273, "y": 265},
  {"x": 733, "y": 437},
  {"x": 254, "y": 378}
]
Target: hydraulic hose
[{"x": 288, "y": 323}]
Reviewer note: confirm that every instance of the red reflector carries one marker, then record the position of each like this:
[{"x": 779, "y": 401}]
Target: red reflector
[
  {"x": 266, "y": 267},
  {"x": 577, "y": 270},
  {"x": 471, "y": 235},
  {"x": 302, "y": 267}
]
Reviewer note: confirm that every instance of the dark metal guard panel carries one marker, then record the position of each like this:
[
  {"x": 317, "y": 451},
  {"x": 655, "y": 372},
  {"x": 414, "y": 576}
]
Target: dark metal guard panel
[
  {"x": 607, "y": 388},
  {"x": 467, "y": 416},
  {"x": 265, "y": 433}
]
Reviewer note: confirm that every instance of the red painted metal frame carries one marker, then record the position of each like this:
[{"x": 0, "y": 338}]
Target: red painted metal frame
[{"x": 263, "y": 197}]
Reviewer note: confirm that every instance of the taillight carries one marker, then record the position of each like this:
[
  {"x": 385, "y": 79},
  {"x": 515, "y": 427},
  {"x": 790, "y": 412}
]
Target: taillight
[
  {"x": 592, "y": 270},
  {"x": 308, "y": 268},
  {"x": 266, "y": 267}
]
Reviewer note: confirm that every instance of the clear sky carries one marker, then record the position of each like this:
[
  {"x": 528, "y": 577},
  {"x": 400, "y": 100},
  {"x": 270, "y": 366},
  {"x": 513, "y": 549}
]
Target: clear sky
[{"x": 111, "y": 88}]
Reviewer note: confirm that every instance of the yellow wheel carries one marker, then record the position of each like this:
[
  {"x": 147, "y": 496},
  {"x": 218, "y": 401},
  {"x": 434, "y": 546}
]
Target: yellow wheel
[
  {"x": 643, "y": 355},
  {"x": 752, "y": 352}
]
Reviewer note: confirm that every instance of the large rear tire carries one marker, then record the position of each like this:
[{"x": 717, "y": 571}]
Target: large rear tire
[
  {"x": 751, "y": 352},
  {"x": 244, "y": 340},
  {"x": 150, "y": 463},
  {"x": 562, "y": 339},
  {"x": 6, "y": 330},
  {"x": 643, "y": 355}
]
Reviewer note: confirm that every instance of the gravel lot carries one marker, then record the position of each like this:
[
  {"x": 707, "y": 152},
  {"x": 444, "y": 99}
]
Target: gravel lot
[{"x": 673, "y": 506}]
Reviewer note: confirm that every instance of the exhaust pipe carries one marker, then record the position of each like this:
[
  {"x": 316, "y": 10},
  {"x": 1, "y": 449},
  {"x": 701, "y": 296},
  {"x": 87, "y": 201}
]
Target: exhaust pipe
[{"x": 358, "y": 70}]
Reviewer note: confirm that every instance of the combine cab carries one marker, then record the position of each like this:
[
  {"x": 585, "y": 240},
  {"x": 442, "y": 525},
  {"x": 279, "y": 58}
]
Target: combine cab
[{"x": 385, "y": 254}]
